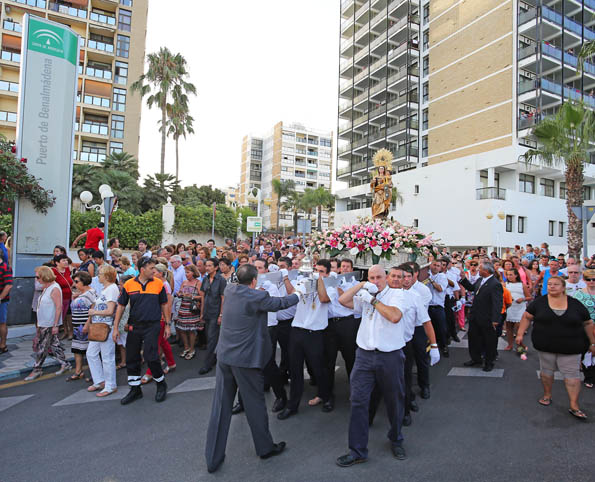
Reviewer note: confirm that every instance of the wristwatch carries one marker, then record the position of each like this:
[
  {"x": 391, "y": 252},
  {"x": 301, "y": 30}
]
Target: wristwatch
[{"x": 375, "y": 301}]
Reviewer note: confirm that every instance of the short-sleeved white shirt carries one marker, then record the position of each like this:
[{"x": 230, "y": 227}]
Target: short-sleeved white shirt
[
  {"x": 272, "y": 290},
  {"x": 438, "y": 296},
  {"x": 423, "y": 292},
  {"x": 287, "y": 313},
  {"x": 109, "y": 293},
  {"x": 375, "y": 331},
  {"x": 415, "y": 313},
  {"x": 453, "y": 275},
  {"x": 310, "y": 313},
  {"x": 336, "y": 309}
]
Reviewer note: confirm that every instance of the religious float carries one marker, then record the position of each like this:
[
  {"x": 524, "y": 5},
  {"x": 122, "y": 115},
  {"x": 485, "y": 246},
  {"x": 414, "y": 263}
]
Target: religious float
[{"x": 377, "y": 239}]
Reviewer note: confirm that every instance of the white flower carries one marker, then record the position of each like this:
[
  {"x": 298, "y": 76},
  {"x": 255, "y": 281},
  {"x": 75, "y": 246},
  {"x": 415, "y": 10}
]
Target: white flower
[
  {"x": 377, "y": 250},
  {"x": 340, "y": 246},
  {"x": 353, "y": 251}
]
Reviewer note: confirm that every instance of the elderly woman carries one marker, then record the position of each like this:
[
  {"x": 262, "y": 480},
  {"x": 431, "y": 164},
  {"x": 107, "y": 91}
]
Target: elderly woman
[
  {"x": 62, "y": 272},
  {"x": 103, "y": 369},
  {"x": 587, "y": 297},
  {"x": 49, "y": 319},
  {"x": 560, "y": 323},
  {"x": 83, "y": 298}
]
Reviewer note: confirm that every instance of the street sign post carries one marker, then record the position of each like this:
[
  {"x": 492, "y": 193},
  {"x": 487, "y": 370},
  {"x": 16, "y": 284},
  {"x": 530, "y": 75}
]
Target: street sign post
[
  {"x": 584, "y": 214},
  {"x": 254, "y": 224}
]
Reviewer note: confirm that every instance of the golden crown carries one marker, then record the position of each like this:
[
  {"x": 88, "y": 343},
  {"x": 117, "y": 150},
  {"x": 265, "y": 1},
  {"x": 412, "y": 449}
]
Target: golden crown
[{"x": 383, "y": 158}]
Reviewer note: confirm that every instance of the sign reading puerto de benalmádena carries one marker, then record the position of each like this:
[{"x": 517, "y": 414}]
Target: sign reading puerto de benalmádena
[{"x": 45, "y": 136}]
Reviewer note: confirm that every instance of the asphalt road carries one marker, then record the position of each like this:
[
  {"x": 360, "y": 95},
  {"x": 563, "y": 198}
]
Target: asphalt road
[{"x": 471, "y": 429}]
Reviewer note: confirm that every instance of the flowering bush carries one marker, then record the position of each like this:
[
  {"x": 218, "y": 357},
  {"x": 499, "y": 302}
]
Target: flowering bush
[
  {"x": 381, "y": 237},
  {"x": 15, "y": 182}
]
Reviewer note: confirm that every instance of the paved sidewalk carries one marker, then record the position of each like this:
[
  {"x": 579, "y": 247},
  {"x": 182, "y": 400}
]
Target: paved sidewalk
[{"x": 18, "y": 361}]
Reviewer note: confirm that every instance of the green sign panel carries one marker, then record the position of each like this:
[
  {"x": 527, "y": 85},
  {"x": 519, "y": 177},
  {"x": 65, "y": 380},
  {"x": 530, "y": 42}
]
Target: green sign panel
[{"x": 52, "y": 40}]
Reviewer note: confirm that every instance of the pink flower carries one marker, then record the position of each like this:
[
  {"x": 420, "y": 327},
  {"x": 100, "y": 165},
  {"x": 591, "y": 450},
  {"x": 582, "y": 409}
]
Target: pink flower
[
  {"x": 373, "y": 243},
  {"x": 360, "y": 247},
  {"x": 385, "y": 246}
]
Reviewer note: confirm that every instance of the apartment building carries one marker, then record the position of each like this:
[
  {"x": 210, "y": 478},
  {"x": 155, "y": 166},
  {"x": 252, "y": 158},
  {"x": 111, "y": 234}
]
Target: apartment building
[
  {"x": 112, "y": 48},
  {"x": 453, "y": 88},
  {"x": 289, "y": 151}
]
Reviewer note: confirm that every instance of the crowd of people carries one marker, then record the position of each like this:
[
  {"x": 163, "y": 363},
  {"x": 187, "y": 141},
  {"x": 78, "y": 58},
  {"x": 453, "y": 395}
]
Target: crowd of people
[{"x": 120, "y": 311}]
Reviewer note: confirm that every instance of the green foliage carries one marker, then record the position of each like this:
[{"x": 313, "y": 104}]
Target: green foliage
[
  {"x": 6, "y": 223},
  {"x": 16, "y": 182},
  {"x": 195, "y": 196},
  {"x": 245, "y": 212},
  {"x": 198, "y": 219},
  {"x": 156, "y": 190},
  {"x": 128, "y": 227}
]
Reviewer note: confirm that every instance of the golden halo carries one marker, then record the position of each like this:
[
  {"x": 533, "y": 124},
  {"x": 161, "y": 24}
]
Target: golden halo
[{"x": 383, "y": 158}]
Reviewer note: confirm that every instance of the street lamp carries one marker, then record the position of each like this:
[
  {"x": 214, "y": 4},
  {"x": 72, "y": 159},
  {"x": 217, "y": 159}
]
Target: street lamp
[{"x": 108, "y": 205}]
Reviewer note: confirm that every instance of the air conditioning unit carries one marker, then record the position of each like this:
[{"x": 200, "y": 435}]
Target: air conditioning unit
[{"x": 7, "y": 8}]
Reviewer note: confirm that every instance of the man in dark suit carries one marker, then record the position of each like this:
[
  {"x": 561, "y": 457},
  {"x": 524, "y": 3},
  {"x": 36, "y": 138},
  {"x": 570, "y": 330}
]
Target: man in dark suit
[
  {"x": 484, "y": 316},
  {"x": 243, "y": 350}
]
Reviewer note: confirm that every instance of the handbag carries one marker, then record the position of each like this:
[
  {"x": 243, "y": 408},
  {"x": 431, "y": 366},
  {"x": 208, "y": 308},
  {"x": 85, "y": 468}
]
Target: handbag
[
  {"x": 99, "y": 332},
  {"x": 195, "y": 304}
]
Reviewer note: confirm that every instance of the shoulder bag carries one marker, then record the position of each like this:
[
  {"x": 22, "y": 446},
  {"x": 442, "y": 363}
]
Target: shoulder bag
[{"x": 98, "y": 332}]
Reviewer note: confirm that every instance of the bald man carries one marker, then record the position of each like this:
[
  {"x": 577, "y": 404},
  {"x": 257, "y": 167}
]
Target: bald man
[{"x": 379, "y": 359}]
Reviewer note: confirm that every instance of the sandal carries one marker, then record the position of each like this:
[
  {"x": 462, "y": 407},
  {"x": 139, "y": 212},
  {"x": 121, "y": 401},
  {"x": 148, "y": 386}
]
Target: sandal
[
  {"x": 190, "y": 355},
  {"x": 146, "y": 379},
  {"x": 588, "y": 385},
  {"x": 184, "y": 353},
  {"x": 94, "y": 388},
  {"x": 105, "y": 393},
  {"x": 64, "y": 368},
  {"x": 33, "y": 375},
  {"x": 76, "y": 376},
  {"x": 545, "y": 401},
  {"x": 578, "y": 414},
  {"x": 3, "y": 350}
]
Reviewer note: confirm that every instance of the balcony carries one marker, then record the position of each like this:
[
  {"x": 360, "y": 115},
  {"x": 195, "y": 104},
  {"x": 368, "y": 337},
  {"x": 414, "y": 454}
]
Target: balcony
[
  {"x": 11, "y": 56},
  {"x": 557, "y": 18},
  {"x": 102, "y": 18},
  {"x": 8, "y": 116},
  {"x": 96, "y": 101},
  {"x": 343, "y": 170},
  {"x": 9, "y": 86},
  {"x": 490, "y": 193},
  {"x": 99, "y": 73},
  {"x": 13, "y": 26},
  {"x": 33, "y": 3},
  {"x": 67, "y": 10},
  {"x": 99, "y": 129},
  {"x": 105, "y": 47}
]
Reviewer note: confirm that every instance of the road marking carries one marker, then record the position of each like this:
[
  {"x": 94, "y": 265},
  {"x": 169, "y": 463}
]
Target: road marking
[
  {"x": 83, "y": 396},
  {"x": 475, "y": 372},
  {"x": 558, "y": 376},
  {"x": 7, "y": 402},
  {"x": 194, "y": 384},
  {"x": 464, "y": 343}
]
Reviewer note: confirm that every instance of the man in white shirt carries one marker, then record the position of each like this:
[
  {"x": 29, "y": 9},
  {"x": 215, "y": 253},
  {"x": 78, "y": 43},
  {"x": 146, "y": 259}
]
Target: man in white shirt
[
  {"x": 438, "y": 282},
  {"x": 452, "y": 290},
  {"x": 179, "y": 272},
  {"x": 306, "y": 342},
  {"x": 574, "y": 282},
  {"x": 379, "y": 359},
  {"x": 284, "y": 318}
]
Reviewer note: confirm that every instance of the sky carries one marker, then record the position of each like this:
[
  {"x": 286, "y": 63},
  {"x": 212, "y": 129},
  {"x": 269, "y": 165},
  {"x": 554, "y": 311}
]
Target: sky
[{"x": 254, "y": 63}]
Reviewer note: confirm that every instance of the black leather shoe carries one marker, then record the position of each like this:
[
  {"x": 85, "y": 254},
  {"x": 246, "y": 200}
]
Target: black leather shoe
[
  {"x": 279, "y": 405},
  {"x": 286, "y": 413},
  {"x": 237, "y": 408},
  {"x": 161, "y": 392},
  {"x": 456, "y": 338},
  {"x": 328, "y": 406},
  {"x": 399, "y": 452},
  {"x": 204, "y": 370},
  {"x": 348, "y": 460},
  {"x": 407, "y": 420},
  {"x": 472, "y": 363},
  {"x": 134, "y": 394},
  {"x": 277, "y": 449},
  {"x": 488, "y": 367},
  {"x": 425, "y": 393},
  {"x": 413, "y": 406},
  {"x": 445, "y": 352}
]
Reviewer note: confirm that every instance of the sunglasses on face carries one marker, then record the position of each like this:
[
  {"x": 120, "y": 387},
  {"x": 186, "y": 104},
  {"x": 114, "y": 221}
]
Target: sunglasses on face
[
  {"x": 37, "y": 277},
  {"x": 589, "y": 279}
]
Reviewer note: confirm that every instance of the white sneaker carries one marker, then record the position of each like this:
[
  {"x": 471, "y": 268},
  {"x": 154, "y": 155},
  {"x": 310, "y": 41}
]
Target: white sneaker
[
  {"x": 64, "y": 368},
  {"x": 33, "y": 375}
]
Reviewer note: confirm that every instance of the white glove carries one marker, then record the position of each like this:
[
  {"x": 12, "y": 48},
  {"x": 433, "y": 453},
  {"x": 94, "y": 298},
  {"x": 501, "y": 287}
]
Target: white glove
[
  {"x": 333, "y": 274},
  {"x": 284, "y": 273},
  {"x": 365, "y": 296},
  {"x": 316, "y": 275},
  {"x": 371, "y": 288},
  {"x": 300, "y": 289},
  {"x": 434, "y": 356},
  {"x": 267, "y": 285}
]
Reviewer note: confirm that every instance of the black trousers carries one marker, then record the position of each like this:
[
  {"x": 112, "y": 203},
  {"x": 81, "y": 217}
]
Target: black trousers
[
  {"x": 438, "y": 317},
  {"x": 306, "y": 345},
  {"x": 272, "y": 374},
  {"x": 283, "y": 332},
  {"x": 449, "y": 303},
  {"x": 212, "y": 328},
  {"x": 147, "y": 334},
  {"x": 340, "y": 336},
  {"x": 422, "y": 357},
  {"x": 483, "y": 339}
]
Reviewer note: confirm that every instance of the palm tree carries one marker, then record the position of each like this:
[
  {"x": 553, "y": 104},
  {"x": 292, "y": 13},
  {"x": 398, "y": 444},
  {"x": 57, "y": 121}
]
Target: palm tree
[
  {"x": 282, "y": 190},
  {"x": 321, "y": 199},
  {"x": 397, "y": 197},
  {"x": 122, "y": 161},
  {"x": 563, "y": 139},
  {"x": 586, "y": 53},
  {"x": 293, "y": 202},
  {"x": 165, "y": 72}
]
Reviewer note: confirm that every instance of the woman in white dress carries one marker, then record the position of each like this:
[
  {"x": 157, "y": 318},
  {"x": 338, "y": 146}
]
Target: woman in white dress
[{"x": 520, "y": 295}]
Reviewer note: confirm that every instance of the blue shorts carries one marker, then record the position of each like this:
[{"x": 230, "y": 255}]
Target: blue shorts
[{"x": 3, "y": 312}]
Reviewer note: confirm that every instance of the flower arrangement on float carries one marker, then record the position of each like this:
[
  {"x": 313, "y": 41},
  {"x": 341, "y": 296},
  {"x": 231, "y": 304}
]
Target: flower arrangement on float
[{"x": 382, "y": 238}]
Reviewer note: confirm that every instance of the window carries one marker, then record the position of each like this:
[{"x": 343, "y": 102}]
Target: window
[
  {"x": 483, "y": 179},
  {"x": 562, "y": 190},
  {"x": 416, "y": 189},
  {"x": 416, "y": 223},
  {"x": 424, "y": 119},
  {"x": 118, "y": 126},
  {"x": 547, "y": 187},
  {"x": 116, "y": 146},
  {"x": 509, "y": 221},
  {"x": 325, "y": 142},
  {"x": 424, "y": 146},
  {"x": 586, "y": 193},
  {"x": 126, "y": 3},
  {"x": 121, "y": 72},
  {"x": 551, "y": 227},
  {"x": 527, "y": 183},
  {"x": 123, "y": 46},
  {"x": 93, "y": 151},
  {"x": 426, "y": 16},
  {"x": 561, "y": 229},
  {"x": 521, "y": 224},
  {"x": 426, "y": 92},
  {"x": 119, "y": 99},
  {"x": 426, "y": 65},
  {"x": 124, "y": 20}
]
